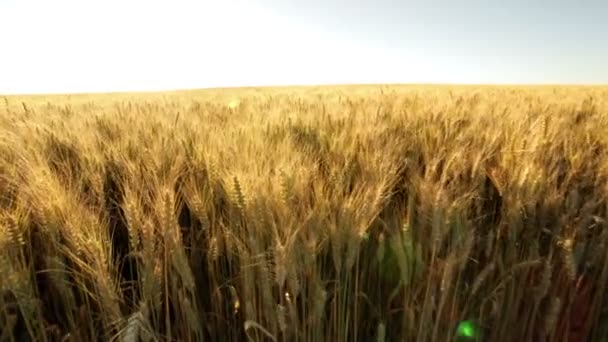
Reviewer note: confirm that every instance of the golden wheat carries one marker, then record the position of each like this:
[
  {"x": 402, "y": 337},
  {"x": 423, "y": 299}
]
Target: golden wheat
[{"x": 303, "y": 214}]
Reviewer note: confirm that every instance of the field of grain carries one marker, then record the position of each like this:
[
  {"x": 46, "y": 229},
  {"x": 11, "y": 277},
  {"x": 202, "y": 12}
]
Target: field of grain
[{"x": 355, "y": 213}]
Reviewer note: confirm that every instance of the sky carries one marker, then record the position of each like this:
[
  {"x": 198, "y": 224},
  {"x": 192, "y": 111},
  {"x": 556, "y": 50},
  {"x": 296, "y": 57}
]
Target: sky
[{"x": 71, "y": 46}]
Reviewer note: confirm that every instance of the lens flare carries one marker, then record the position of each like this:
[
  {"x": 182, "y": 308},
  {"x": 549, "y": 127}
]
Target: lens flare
[{"x": 467, "y": 330}]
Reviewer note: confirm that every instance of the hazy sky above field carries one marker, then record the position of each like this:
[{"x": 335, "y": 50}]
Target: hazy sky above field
[{"x": 115, "y": 45}]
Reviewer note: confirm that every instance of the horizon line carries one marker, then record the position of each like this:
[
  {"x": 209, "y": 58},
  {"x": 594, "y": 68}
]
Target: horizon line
[{"x": 237, "y": 87}]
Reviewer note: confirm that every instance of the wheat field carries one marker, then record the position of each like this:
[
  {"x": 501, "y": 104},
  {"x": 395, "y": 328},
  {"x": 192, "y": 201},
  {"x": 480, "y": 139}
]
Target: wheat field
[{"x": 345, "y": 213}]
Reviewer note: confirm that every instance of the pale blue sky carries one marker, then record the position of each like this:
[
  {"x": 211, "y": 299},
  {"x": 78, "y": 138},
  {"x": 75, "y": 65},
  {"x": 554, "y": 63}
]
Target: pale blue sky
[{"x": 115, "y": 45}]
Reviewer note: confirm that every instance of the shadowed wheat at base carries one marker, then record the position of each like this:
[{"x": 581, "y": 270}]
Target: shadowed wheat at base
[{"x": 367, "y": 213}]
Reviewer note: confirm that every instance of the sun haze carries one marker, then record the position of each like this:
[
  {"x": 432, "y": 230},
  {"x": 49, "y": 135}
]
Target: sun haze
[{"x": 99, "y": 46}]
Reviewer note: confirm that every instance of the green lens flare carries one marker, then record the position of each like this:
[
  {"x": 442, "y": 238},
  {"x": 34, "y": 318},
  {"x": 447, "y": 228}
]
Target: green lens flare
[{"x": 467, "y": 329}]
